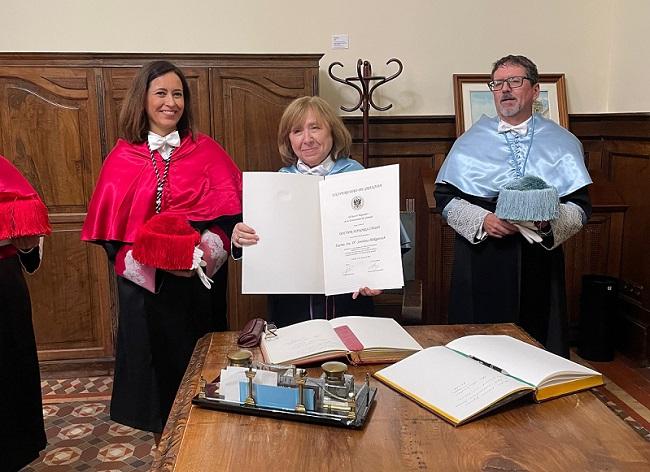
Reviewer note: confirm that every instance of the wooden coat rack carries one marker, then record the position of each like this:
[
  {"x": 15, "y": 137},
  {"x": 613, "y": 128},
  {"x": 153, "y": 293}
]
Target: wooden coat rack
[{"x": 363, "y": 84}]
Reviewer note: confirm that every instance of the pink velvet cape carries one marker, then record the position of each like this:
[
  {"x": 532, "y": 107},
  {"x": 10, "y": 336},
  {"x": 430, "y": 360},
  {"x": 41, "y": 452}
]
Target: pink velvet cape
[{"x": 203, "y": 185}]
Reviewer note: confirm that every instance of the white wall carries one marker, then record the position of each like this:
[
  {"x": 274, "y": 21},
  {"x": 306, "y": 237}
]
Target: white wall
[
  {"x": 588, "y": 40},
  {"x": 630, "y": 61}
]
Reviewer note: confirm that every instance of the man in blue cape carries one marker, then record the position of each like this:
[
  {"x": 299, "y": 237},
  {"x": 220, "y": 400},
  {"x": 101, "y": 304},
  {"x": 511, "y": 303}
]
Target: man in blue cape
[{"x": 498, "y": 275}]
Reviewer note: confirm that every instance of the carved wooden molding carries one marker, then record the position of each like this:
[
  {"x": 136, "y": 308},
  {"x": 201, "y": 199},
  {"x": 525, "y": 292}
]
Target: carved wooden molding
[
  {"x": 66, "y": 59},
  {"x": 435, "y": 127},
  {"x": 167, "y": 451}
]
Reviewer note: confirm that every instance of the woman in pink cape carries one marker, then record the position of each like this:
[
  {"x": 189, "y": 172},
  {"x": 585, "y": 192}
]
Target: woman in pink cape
[{"x": 162, "y": 166}]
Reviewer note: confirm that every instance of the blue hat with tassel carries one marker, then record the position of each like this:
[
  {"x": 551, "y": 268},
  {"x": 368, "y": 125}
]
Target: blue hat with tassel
[{"x": 528, "y": 199}]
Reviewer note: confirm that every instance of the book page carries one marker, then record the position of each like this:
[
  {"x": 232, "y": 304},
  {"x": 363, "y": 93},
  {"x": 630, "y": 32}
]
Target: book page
[
  {"x": 361, "y": 230},
  {"x": 301, "y": 340},
  {"x": 284, "y": 211},
  {"x": 449, "y": 383},
  {"x": 378, "y": 333},
  {"x": 520, "y": 359}
]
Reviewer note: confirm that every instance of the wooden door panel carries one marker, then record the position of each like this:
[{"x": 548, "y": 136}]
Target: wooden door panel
[
  {"x": 71, "y": 265},
  {"x": 49, "y": 128},
  {"x": 630, "y": 172},
  {"x": 40, "y": 137},
  {"x": 248, "y": 106}
]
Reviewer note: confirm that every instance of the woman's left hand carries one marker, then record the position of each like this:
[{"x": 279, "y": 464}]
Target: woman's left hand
[
  {"x": 244, "y": 235},
  {"x": 366, "y": 292}
]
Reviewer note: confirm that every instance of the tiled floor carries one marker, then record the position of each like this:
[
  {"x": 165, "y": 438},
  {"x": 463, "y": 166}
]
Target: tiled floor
[
  {"x": 84, "y": 388},
  {"x": 81, "y": 436}
]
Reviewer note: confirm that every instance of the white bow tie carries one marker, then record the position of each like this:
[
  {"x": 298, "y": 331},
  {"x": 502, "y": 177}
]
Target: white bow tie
[
  {"x": 521, "y": 129},
  {"x": 321, "y": 169},
  {"x": 172, "y": 140}
]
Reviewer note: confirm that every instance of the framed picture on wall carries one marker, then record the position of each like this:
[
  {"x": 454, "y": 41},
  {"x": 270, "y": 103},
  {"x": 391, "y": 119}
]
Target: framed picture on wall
[{"x": 473, "y": 98}]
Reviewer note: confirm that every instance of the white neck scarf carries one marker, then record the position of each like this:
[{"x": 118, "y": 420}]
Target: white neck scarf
[
  {"x": 164, "y": 144},
  {"x": 321, "y": 169}
]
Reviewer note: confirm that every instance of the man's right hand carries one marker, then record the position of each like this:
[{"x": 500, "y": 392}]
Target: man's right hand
[{"x": 498, "y": 228}]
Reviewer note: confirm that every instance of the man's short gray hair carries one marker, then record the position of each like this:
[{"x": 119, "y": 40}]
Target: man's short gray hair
[{"x": 522, "y": 61}]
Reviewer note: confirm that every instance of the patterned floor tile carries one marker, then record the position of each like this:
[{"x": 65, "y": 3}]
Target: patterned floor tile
[
  {"x": 82, "y": 438},
  {"x": 97, "y": 388}
]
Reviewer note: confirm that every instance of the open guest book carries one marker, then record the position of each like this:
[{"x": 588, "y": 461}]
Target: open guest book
[
  {"x": 364, "y": 340},
  {"x": 473, "y": 375}
]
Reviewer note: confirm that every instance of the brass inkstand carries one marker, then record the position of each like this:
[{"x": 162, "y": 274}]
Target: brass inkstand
[{"x": 333, "y": 398}]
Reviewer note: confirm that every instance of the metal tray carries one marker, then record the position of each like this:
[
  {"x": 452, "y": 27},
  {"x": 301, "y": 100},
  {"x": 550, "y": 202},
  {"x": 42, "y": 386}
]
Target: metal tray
[{"x": 308, "y": 417}]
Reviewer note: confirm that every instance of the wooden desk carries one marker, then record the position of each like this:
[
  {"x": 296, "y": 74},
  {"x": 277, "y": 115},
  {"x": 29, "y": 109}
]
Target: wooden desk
[{"x": 574, "y": 433}]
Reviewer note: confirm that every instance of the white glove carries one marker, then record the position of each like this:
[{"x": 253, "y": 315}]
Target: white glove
[
  {"x": 528, "y": 230},
  {"x": 197, "y": 264}
]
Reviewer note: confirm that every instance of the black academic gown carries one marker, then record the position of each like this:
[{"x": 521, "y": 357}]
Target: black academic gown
[
  {"x": 21, "y": 408},
  {"x": 284, "y": 310},
  {"x": 156, "y": 336},
  {"x": 508, "y": 280}
]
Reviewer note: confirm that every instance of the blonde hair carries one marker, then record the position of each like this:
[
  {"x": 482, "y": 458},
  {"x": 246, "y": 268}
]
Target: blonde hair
[{"x": 295, "y": 114}]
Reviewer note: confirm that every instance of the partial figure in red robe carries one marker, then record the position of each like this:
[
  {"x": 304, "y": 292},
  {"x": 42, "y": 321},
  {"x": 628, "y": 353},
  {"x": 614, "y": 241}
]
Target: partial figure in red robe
[
  {"x": 23, "y": 222},
  {"x": 163, "y": 185}
]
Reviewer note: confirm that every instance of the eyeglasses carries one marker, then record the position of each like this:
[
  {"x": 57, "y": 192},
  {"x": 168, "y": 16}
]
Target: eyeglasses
[
  {"x": 513, "y": 82},
  {"x": 270, "y": 330}
]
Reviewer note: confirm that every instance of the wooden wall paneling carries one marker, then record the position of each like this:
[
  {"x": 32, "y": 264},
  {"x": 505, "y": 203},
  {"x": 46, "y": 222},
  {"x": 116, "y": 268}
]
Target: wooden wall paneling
[
  {"x": 415, "y": 143},
  {"x": 593, "y": 149},
  {"x": 621, "y": 144},
  {"x": 49, "y": 128},
  {"x": 418, "y": 145},
  {"x": 249, "y": 103},
  {"x": 629, "y": 166},
  {"x": 424, "y": 229},
  {"x": 611, "y": 126},
  {"x": 116, "y": 83},
  {"x": 409, "y": 171},
  {"x": 435, "y": 243}
]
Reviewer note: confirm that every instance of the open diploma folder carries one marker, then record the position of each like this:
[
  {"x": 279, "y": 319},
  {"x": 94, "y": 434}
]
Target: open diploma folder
[
  {"x": 476, "y": 374},
  {"x": 365, "y": 340},
  {"x": 330, "y": 235}
]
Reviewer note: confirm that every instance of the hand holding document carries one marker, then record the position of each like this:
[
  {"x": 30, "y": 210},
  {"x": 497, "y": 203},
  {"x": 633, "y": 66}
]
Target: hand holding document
[{"x": 327, "y": 235}]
